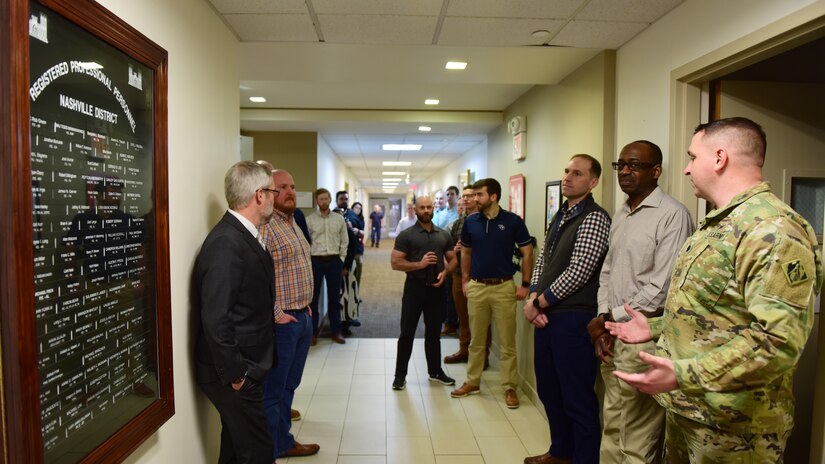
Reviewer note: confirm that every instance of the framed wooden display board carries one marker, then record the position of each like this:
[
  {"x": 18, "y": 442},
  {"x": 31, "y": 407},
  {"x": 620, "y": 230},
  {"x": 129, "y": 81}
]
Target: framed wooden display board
[{"x": 86, "y": 324}]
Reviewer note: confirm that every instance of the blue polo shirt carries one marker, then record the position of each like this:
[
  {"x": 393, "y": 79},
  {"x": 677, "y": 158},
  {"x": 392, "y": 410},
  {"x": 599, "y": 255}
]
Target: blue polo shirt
[{"x": 492, "y": 242}]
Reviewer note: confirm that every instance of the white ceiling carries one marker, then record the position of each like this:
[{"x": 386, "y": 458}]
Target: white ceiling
[{"x": 358, "y": 71}]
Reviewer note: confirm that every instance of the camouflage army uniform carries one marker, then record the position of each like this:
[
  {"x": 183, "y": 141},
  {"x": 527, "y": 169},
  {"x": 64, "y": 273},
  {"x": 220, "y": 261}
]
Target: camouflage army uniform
[{"x": 738, "y": 314}]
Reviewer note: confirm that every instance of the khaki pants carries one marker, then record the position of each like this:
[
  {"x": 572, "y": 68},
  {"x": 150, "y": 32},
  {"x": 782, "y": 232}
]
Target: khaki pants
[
  {"x": 497, "y": 303},
  {"x": 633, "y": 422}
]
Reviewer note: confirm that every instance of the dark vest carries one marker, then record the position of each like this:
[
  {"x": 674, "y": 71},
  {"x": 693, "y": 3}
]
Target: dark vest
[{"x": 584, "y": 299}]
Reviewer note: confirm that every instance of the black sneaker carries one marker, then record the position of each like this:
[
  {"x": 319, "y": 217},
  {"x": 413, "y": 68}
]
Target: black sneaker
[
  {"x": 442, "y": 378},
  {"x": 399, "y": 384}
]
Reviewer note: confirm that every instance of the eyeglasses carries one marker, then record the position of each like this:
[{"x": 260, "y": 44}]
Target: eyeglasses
[
  {"x": 633, "y": 165},
  {"x": 270, "y": 190}
]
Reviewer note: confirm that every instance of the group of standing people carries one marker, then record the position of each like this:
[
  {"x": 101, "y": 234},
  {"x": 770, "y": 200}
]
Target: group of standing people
[
  {"x": 259, "y": 275},
  {"x": 697, "y": 334}
]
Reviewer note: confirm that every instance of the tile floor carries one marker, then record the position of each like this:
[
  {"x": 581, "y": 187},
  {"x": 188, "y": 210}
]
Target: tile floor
[{"x": 350, "y": 409}]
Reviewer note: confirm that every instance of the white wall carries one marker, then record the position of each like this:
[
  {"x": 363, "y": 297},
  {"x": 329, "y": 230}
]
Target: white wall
[
  {"x": 475, "y": 159},
  {"x": 333, "y": 174},
  {"x": 690, "y": 31},
  {"x": 203, "y": 143}
]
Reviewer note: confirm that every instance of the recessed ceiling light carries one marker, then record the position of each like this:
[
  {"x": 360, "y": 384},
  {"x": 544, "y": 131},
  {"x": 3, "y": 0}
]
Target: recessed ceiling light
[
  {"x": 431, "y": 101},
  {"x": 396, "y": 163},
  {"x": 401, "y": 146},
  {"x": 257, "y": 99},
  {"x": 425, "y": 128},
  {"x": 393, "y": 173},
  {"x": 391, "y": 179},
  {"x": 456, "y": 65}
]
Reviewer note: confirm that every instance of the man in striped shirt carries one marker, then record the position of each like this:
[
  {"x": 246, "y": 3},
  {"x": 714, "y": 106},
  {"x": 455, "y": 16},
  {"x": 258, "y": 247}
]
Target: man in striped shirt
[{"x": 293, "y": 317}]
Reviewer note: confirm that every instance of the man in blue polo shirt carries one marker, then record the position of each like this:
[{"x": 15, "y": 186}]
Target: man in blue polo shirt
[{"x": 487, "y": 241}]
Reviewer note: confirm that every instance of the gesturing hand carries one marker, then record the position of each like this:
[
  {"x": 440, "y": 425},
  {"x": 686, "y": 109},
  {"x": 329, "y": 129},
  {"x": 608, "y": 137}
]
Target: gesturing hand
[
  {"x": 636, "y": 330},
  {"x": 661, "y": 376}
]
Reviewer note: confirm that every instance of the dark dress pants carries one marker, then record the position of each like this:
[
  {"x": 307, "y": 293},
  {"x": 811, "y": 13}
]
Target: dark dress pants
[
  {"x": 566, "y": 369},
  {"x": 451, "y": 317},
  {"x": 420, "y": 298},
  {"x": 375, "y": 236},
  {"x": 331, "y": 269},
  {"x": 244, "y": 436}
]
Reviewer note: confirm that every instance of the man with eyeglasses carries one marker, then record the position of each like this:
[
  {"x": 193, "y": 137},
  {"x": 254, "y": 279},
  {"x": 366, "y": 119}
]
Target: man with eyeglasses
[{"x": 645, "y": 236}]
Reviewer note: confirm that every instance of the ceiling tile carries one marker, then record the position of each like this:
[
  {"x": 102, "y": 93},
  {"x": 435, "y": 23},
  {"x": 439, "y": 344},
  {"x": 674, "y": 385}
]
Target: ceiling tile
[
  {"x": 378, "y": 29},
  {"x": 273, "y": 27},
  {"x": 597, "y": 34},
  {"x": 627, "y": 10},
  {"x": 378, "y": 7},
  {"x": 534, "y": 9},
  {"x": 260, "y": 6},
  {"x": 494, "y": 32}
]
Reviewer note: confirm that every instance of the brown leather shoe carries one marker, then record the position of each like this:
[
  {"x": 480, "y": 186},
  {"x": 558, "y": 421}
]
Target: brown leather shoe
[
  {"x": 455, "y": 358},
  {"x": 339, "y": 339},
  {"x": 511, "y": 399},
  {"x": 465, "y": 390},
  {"x": 546, "y": 458},
  {"x": 299, "y": 450},
  {"x": 294, "y": 414},
  {"x": 448, "y": 330},
  {"x": 314, "y": 340}
]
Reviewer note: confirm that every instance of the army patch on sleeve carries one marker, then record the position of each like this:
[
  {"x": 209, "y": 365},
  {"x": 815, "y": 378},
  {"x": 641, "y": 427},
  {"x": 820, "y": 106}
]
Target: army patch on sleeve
[{"x": 795, "y": 272}]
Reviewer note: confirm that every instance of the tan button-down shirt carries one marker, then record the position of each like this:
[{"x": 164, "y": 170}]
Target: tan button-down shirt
[
  {"x": 643, "y": 245},
  {"x": 329, "y": 234}
]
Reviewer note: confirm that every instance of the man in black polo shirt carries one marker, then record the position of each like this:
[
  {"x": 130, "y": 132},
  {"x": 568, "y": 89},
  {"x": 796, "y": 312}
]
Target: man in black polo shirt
[
  {"x": 420, "y": 251},
  {"x": 487, "y": 241},
  {"x": 562, "y": 301}
]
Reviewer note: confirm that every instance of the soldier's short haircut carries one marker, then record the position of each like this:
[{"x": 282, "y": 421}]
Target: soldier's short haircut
[
  {"x": 241, "y": 182},
  {"x": 750, "y": 134},
  {"x": 655, "y": 151},
  {"x": 339, "y": 193},
  {"x": 454, "y": 189},
  {"x": 595, "y": 166},
  {"x": 321, "y": 191},
  {"x": 493, "y": 187}
]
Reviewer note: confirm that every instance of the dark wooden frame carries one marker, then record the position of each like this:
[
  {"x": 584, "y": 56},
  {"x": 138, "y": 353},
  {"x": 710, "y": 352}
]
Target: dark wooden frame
[{"x": 21, "y": 428}]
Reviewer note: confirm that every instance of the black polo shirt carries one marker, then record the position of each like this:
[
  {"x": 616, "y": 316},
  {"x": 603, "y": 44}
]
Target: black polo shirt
[{"x": 415, "y": 242}]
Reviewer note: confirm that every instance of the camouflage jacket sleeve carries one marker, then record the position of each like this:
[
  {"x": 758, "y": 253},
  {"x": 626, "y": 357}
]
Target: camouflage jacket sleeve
[{"x": 776, "y": 274}]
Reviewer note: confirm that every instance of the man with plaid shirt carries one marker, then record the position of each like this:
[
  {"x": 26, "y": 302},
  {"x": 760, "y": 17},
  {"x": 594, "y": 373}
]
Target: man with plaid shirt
[{"x": 562, "y": 301}]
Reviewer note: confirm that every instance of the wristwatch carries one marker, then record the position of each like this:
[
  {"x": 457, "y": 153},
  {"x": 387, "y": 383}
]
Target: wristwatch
[
  {"x": 536, "y": 303},
  {"x": 525, "y": 284}
]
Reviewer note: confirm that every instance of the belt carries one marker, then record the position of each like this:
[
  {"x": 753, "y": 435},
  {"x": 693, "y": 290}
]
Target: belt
[
  {"x": 492, "y": 281},
  {"x": 295, "y": 310},
  {"x": 326, "y": 257}
]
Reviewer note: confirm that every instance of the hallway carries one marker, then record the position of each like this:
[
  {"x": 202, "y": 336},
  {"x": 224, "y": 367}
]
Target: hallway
[{"x": 349, "y": 409}]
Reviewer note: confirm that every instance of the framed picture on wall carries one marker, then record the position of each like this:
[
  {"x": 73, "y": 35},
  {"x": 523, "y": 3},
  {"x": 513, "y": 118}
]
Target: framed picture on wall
[
  {"x": 517, "y": 195},
  {"x": 552, "y": 200}
]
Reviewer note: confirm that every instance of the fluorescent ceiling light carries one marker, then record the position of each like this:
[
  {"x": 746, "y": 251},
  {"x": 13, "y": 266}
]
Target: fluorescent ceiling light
[
  {"x": 90, "y": 65},
  {"x": 257, "y": 99},
  {"x": 431, "y": 101},
  {"x": 456, "y": 65},
  {"x": 392, "y": 179},
  {"x": 396, "y": 163},
  {"x": 401, "y": 146},
  {"x": 425, "y": 128},
  {"x": 393, "y": 173}
]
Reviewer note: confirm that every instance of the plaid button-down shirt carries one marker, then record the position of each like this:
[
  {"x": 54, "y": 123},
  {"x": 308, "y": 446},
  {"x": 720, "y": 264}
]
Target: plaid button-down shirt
[{"x": 293, "y": 264}]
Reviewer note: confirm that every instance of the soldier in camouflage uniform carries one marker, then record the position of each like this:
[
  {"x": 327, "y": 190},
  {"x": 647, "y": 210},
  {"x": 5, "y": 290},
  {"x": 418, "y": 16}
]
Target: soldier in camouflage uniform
[{"x": 738, "y": 312}]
